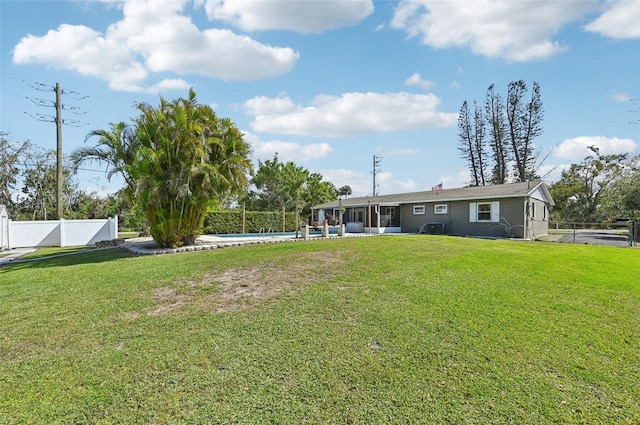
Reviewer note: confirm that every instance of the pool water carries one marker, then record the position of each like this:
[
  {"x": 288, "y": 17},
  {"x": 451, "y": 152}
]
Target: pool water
[{"x": 263, "y": 235}]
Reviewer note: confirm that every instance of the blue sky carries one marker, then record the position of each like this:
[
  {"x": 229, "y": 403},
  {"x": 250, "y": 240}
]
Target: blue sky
[{"x": 329, "y": 84}]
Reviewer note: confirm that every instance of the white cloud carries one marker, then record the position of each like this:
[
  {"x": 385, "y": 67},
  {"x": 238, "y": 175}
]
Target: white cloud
[
  {"x": 400, "y": 152},
  {"x": 621, "y": 20},
  {"x": 513, "y": 30},
  {"x": 461, "y": 179},
  {"x": 287, "y": 151},
  {"x": 577, "y": 149},
  {"x": 416, "y": 80},
  {"x": 620, "y": 97},
  {"x": 87, "y": 52},
  {"x": 262, "y": 105},
  {"x": 551, "y": 173},
  {"x": 154, "y": 37},
  {"x": 350, "y": 114},
  {"x": 295, "y": 15},
  {"x": 169, "y": 84},
  {"x": 362, "y": 184}
]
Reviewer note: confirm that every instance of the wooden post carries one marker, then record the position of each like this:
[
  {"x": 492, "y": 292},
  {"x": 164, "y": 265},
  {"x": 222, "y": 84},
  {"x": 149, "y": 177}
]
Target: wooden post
[
  {"x": 244, "y": 218},
  {"x": 297, "y": 220},
  {"x": 369, "y": 213}
]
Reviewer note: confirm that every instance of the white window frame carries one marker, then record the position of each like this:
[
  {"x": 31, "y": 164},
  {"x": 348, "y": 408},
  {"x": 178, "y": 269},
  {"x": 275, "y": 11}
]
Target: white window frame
[
  {"x": 486, "y": 212},
  {"x": 440, "y": 209},
  {"x": 494, "y": 212},
  {"x": 419, "y": 210},
  {"x": 532, "y": 209}
]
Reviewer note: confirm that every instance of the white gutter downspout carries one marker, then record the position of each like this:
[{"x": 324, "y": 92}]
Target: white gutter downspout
[
  {"x": 377, "y": 208},
  {"x": 527, "y": 211}
]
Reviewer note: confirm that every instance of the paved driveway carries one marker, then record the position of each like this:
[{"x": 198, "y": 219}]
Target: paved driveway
[{"x": 596, "y": 237}]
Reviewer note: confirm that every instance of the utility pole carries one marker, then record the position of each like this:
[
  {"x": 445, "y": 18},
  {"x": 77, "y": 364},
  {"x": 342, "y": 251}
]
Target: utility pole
[
  {"x": 58, "y": 121},
  {"x": 58, "y": 151},
  {"x": 376, "y": 169}
]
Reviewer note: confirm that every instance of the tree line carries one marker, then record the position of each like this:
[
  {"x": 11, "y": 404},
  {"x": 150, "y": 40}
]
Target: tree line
[
  {"x": 599, "y": 188},
  {"x": 179, "y": 161},
  {"x": 28, "y": 186},
  {"x": 496, "y": 139}
]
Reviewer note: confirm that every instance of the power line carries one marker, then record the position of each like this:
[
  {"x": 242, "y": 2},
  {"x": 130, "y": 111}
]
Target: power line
[
  {"x": 57, "y": 119},
  {"x": 25, "y": 165}
]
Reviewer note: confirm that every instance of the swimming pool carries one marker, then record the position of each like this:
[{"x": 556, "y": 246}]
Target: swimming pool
[{"x": 262, "y": 235}]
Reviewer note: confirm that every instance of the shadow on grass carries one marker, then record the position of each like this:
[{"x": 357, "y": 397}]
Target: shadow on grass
[{"x": 68, "y": 259}]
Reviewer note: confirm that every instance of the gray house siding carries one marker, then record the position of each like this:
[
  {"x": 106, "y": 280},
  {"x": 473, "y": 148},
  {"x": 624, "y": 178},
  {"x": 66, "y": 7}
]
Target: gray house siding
[
  {"x": 508, "y": 210},
  {"x": 538, "y": 218},
  {"x": 412, "y": 222},
  {"x": 509, "y": 222},
  {"x": 518, "y": 210}
]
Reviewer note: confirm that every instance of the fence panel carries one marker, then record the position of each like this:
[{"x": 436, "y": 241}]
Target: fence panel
[
  {"x": 26, "y": 234},
  {"x": 86, "y": 232}
]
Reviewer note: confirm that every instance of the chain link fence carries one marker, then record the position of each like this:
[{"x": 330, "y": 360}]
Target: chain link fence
[{"x": 621, "y": 233}]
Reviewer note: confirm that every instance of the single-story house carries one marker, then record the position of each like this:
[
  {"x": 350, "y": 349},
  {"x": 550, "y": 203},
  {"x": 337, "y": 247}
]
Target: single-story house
[{"x": 517, "y": 210}]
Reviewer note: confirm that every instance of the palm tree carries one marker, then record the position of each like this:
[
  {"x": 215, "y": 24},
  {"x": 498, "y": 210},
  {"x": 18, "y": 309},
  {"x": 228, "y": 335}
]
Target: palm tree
[
  {"x": 344, "y": 191},
  {"x": 188, "y": 160},
  {"x": 116, "y": 147}
]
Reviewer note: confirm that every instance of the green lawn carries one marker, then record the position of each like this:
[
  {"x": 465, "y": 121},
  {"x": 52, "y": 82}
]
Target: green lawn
[
  {"x": 403, "y": 329},
  {"x": 51, "y": 251}
]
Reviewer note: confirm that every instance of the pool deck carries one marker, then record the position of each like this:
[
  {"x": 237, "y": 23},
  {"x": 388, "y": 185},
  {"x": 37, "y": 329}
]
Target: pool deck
[{"x": 146, "y": 246}]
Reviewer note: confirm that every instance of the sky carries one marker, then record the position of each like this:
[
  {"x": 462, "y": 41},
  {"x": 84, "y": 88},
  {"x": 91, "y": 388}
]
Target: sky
[{"x": 327, "y": 84}]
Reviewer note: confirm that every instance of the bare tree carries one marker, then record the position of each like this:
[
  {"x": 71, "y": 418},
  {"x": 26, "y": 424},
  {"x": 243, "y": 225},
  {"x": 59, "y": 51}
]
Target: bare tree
[
  {"x": 468, "y": 131},
  {"x": 510, "y": 128},
  {"x": 495, "y": 118},
  {"x": 479, "y": 143},
  {"x": 524, "y": 120}
]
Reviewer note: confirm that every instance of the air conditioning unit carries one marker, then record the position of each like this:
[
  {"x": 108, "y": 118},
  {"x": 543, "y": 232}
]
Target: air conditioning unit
[{"x": 436, "y": 228}]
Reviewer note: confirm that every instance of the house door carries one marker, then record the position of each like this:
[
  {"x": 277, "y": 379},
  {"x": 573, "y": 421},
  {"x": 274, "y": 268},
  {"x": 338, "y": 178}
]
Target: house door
[{"x": 356, "y": 215}]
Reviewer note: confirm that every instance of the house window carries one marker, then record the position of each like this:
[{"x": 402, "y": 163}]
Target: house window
[
  {"x": 484, "y": 212},
  {"x": 440, "y": 209},
  {"x": 544, "y": 212},
  {"x": 419, "y": 210},
  {"x": 532, "y": 208}
]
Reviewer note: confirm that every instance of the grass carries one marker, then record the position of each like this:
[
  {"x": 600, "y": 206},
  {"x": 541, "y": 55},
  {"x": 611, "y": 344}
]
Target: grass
[
  {"x": 406, "y": 329},
  {"x": 52, "y": 251}
]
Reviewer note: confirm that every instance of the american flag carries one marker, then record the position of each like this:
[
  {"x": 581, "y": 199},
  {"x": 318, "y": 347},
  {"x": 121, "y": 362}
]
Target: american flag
[{"x": 437, "y": 187}]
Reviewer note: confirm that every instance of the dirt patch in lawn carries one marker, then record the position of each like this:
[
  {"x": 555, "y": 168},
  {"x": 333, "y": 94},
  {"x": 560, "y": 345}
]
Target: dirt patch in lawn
[{"x": 246, "y": 288}]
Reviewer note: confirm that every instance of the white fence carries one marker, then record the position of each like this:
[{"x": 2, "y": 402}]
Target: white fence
[
  {"x": 24, "y": 234},
  {"x": 4, "y": 228}
]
